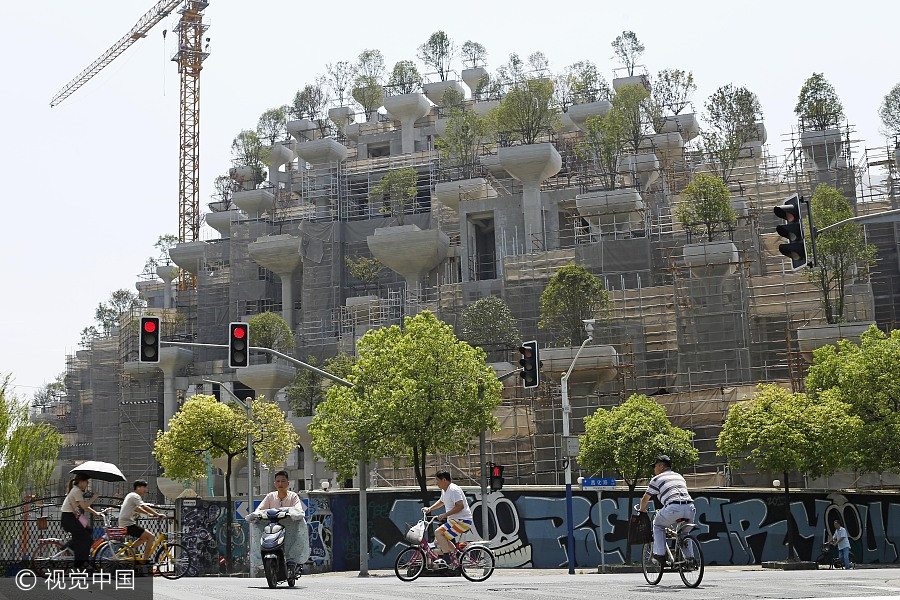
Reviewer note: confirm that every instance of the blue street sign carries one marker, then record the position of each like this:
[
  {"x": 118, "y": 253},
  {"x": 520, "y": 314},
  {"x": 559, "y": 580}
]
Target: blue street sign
[{"x": 598, "y": 483}]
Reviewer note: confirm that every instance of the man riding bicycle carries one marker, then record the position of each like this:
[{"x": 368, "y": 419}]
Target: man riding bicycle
[
  {"x": 454, "y": 500},
  {"x": 671, "y": 489}
]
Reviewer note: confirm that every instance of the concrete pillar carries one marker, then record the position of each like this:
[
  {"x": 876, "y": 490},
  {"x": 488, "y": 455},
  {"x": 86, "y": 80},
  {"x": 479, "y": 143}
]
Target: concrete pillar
[
  {"x": 167, "y": 274},
  {"x": 279, "y": 154},
  {"x": 407, "y": 108},
  {"x": 171, "y": 360},
  {"x": 531, "y": 164},
  {"x": 281, "y": 255}
]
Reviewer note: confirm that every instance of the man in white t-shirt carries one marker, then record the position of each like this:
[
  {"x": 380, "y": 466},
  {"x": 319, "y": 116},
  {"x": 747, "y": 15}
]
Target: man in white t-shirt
[
  {"x": 134, "y": 503},
  {"x": 454, "y": 500}
]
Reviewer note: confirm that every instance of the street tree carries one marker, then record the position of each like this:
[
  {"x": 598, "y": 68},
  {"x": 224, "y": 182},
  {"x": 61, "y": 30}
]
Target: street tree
[
  {"x": 626, "y": 438},
  {"x": 818, "y": 105},
  {"x": 706, "y": 209},
  {"x": 205, "y": 427},
  {"x": 395, "y": 192},
  {"x": 842, "y": 252},
  {"x": 437, "y": 53},
  {"x": 488, "y": 322},
  {"x": 628, "y": 49},
  {"x": 889, "y": 111},
  {"x": 270, "y": 330},
  {"x": 731, "y": 116},
  {"x": 572, "y": 295},
  {"x": 526, "y": 112},
  {"x": 866, "y": 377},
  {"x": 28, "y": 451},
  {"x": 779, "y": 433}
]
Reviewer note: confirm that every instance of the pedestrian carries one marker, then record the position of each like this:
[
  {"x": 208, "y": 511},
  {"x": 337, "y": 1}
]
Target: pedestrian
[
  {"x": 842, "y": 542},
  {"x": 72, "y": 513}
]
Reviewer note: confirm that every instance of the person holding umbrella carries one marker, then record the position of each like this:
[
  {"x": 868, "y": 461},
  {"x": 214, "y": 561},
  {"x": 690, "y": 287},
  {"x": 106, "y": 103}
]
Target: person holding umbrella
[{"x": 74, "y": 506}]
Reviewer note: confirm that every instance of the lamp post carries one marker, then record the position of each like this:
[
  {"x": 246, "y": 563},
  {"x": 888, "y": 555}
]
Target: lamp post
[
  {"x": 566, "y": 411},
  {"x": 246, "y": 407}
]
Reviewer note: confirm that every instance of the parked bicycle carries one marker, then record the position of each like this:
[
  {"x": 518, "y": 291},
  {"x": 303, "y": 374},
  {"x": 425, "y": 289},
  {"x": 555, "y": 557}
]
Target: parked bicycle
[
  {"x": 474, "y": 560},
  {"x": 169, "y": 559},
  {"x": 832, "y": 559},
  {"x": 683, "y": 555}
]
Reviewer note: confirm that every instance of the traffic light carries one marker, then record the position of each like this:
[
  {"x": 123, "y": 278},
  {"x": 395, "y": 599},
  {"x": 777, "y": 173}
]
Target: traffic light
[
  {"x": 531, "y": 376},
  {"x": 795, "y": 248},
  {"x": 238, "y": 353},
  {"x": 496, "y": 479},
  {"x": 149, "y": 340}
]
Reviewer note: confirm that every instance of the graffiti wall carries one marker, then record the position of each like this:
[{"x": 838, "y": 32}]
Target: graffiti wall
[{"x": 528, "y": 528}]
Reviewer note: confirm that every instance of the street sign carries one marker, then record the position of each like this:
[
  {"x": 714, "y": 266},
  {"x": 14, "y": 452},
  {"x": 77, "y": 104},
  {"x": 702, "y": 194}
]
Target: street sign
[
  {"x": 573, "y": 446},
  {"x": 598, "y": 483}
]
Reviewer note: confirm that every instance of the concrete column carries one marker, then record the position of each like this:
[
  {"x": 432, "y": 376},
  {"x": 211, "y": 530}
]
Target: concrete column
[
  {"x": 407, "y": 108},
  {"x": 281, "y": 255},
  {"x": 279, "y": 154},
  {"x": 171, "y": 360},
  {"x": 167, "y": 274},
  {"x": 531, "y": 164}
]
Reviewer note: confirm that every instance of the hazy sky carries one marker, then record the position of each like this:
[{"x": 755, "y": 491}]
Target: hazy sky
[{"x": 91, "y": 184}]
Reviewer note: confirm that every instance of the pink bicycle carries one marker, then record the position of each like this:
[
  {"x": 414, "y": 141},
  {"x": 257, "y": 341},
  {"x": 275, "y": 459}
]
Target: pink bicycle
[{"x": 473, "y": 559}]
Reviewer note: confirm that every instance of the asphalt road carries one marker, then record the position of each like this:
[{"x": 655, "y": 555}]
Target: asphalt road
[{"x": 726, "y": 583}]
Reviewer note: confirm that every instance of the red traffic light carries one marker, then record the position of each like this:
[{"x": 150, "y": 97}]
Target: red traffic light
[
  {"x": 239, "y": 332},
  {"x": 496, "y": 471},
  {"x": 149, "y": 326}
]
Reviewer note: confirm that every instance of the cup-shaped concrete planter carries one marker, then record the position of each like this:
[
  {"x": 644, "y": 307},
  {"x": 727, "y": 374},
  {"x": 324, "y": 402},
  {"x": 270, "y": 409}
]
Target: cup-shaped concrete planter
[
  {"x": 639, "y": 169},
  {"x": 620, "y": 82},
  {"x": 435, "y": 91},
  {"x": 685, "y": 124},
  {"x": 407, "y": 108},
  {"x": 612, "y": 211},
  {"x": 322, "y": 152},
  {"x": 254, "y": 202},
  {"x": 301, "y": 129},
  {"x": 221, "y": 221},
  {"x": 475, "y": 77},
  {"x": 580, "y": 113},
  {"x": 189, "y": 255},
  {"x": 267, "y": 378},
  {"x": 596, "y": 364},
  {"x": 451, "y": 193},
  {"x": 409, "y": 251},
  {"x": 812, "y": 337}
]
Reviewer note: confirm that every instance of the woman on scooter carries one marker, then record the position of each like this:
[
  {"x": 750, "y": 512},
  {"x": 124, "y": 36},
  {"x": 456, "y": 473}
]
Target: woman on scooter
[{"x": 296, "y": 532}]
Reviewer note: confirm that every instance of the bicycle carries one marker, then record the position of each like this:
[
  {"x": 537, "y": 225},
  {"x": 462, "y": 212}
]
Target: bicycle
[
  {"x": 170, "y": 559},
  {"x": 475, "y": 560},
  {"x": 678, "y": 539},
  {"x": 831, "y": 557},
  {"x": 53, "y": 553}
]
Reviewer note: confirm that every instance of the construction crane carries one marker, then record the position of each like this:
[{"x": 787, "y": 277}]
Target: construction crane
[{"x": 190, "y": 57}]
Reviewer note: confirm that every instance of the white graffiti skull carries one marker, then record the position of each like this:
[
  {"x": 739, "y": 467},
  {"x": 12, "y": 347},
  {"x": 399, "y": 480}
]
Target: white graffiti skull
[{"x": 503, "y": 530}]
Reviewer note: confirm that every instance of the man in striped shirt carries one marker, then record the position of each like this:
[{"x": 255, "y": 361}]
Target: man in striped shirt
[{"x": 671, "y": 490}]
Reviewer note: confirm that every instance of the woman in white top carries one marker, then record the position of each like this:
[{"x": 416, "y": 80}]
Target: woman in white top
[{"x": 73, "y": 506}]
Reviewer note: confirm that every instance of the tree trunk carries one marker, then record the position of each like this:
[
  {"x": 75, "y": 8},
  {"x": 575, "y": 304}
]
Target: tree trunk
[
  {"x": 228, "y": 517},
  {"x": 787, "y": 517}
]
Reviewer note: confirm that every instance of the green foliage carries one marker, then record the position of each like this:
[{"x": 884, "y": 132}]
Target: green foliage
[
  {"x": 779, "y": 432},
  {"x": 628, "y": 49},
  {"x": 405, "y": 78},
  {"x": 270, "y": 330},
  {"x": 818, "y": 104},
  {"x": 629, "y": 106},
  {"x": 867, "y": 378},
  {"x": 369, "y": 75},
  {"x": 602, "y": 144},
  {"x": 107, "y": 313},
  {"x": 50, "y": 392},
  {"x": 395, "y": 191},
  {"x": 247, "y": 151},
  {"x": 840, "y": 250},
  {"x": 731, "y": 114},
  {"x": 364, "y": 269},
  {"x": 338, "y": 77},
  {"x": 418, "y": 390},
  {"x": 889, "y": 111},
  {"x": 627, "y": 438},
  {"x": 489, "y": 322},
  {"x": 308, "y": 389},
  {"x": 669, "y": 94},
  {"x": 572, "y": 295},
  {"x": 580, "y": 83},
  {"x": 527, "y": 111},
  {"x": 473, "y": 54},
  {"x": 87, "y": 335},
  {"x": 312, "y": 103},
  {"x": 28, "y": 451},
  {"x": 437, "y": 52},
  {"x": 466, "y": 131},
  {"x": 272, "y": 127},
  {"x": 706, "y": 207}
]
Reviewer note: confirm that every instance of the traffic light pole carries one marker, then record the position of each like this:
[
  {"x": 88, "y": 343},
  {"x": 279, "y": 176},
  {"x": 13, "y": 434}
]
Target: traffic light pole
[{"x": 812, "y": 230}]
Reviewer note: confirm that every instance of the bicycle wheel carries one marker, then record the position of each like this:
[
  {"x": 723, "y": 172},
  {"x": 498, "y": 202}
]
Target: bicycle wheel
[
  {"x": 48, "y": 555},
  {"x": 652, "y": 570},
  {"x": 409, "y": 564},
  {"x": 476, "y": 563},
  {"x": 114, "y": 556},
  {"x": 172, "y": 561},
  {"x": 690, "y": 569}
]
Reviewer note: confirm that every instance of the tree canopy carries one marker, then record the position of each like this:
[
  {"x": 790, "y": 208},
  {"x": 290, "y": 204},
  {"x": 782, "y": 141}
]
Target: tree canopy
[
  {"x": 418, "y": 390},
  {"x": 466, "y": 131},
  {"x": 581, "y": 83},
  {"x": 840, "y": 250},
  {"x": 706, "y": 207},
  {"x": 312, "y": 103},
  {"x": 489, "y": 322},
  {"x": 395, "y": 192},
  {"x": 404, "y": 79},
  {"x": 28, "y": 451},
  {"x": 670, "y": 93},
  {"x": 818, "y": 105},
  {"x": 731, "y": 116},
  {"x": 527, "y": 111},
  {"x": 865, "y": 377},
  {"x": 309, "y": 388},
  {"x": 572, "y": 295},
  {"x": 473, "y": 53},
  {"x": 437, "y": 52},
  {"x": 889, "y": 111},
  {"x": 602, "y": 145},
  {"x": 628, "y": 49},
  {"x": 269, "y": 330}
]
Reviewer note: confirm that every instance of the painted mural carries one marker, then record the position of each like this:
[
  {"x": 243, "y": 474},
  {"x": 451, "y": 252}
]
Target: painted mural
[{"x": 528, "y": 528}]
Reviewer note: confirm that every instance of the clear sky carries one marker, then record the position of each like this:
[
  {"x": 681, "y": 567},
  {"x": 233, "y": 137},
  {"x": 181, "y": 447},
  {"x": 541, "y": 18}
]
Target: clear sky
[{"x": 91, "y": 184}]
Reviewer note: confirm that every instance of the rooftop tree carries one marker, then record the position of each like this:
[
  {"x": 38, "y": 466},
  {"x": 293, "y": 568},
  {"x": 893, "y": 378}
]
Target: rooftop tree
[
  {"x": 269, "y": 330},
  {"x": 473, "y": 54},
  {"x": 526, "y": 111},
  {"x": 628, "y": 49},
  {"x": 889, "y": 111},
  {"x": 437, "y": 53},
  {"x": 581, "y": 83},
  {"x": 818, "y": 105},
  {"x": 731, "y": 115},
  {"x": 670, "y": 93},
  {"x": 842, "y": 252},
  {"x": 706, "y": 209},
  {"x": 572, "y": 295},
  {"x": 247, "y": 151},
  {"x": 395, "y": 192},
  {"x": 339, "y": 77},
  {"x": 272, "y": 125},
  {"x": 312, "y": 103},
  {"x": 626, "y": 438},
  {"x": 404, "y": 79},
  {"x": 367, "y": 83},
  {"x": 779, "y": 432},
  {"x": 629, "y": 105}
]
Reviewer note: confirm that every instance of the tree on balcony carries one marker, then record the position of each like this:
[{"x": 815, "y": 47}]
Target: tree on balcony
[
  {"x": 312, "y": 103},
  {"x": 404, "y": 79},
  {"x": 572, "y": 295},
  {"x": 706, "y": 209},
  {"x": 489, "y": 322},
  {"x": 731, "y": 116},
  {"x": 889, "y": 111},
  {"x": 670, "y": 93},
  {"x": 526, "y": 112},
  {"x": 818, "y": 105},
  {"x": 628, "y": 48},
  {"x": 395, "y": 192},
  {"x": 437, "y": 52},
  {"x": 466, "y": 131}
]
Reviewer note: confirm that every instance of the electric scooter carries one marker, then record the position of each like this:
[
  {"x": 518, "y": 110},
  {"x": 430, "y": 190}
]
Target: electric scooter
[{"x": 272, "y": 550}]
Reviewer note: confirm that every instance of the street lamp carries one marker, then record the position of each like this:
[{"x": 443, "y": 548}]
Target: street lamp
[
  {"x": 566, "y": 411},
  {"x": 246, "y": 406}
]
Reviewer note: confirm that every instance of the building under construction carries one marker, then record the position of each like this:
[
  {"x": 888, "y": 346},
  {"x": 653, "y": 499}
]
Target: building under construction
[{"x": 695, "y": 324}]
